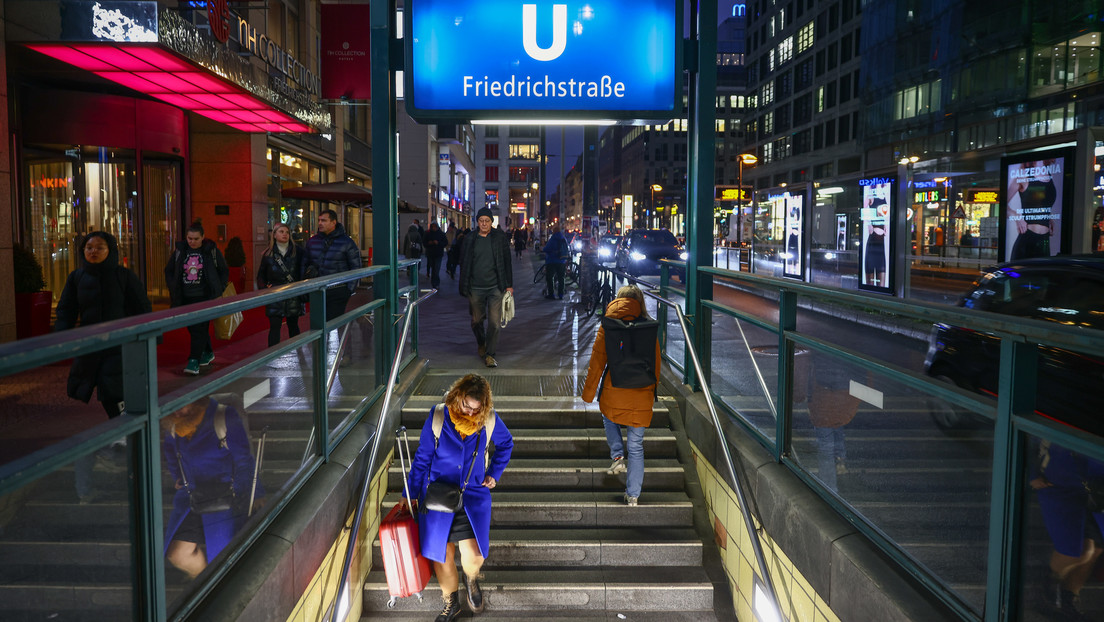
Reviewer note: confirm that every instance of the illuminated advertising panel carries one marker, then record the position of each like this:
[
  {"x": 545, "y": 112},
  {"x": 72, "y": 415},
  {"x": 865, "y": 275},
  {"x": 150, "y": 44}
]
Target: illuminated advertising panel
[
  {"x": 1037, "y": 188},
  {"x": 876, "y": 256},
  {"x": 502, "y": 59},
  {"x": 841, "y": 232},
  {"x": 793, "y": 251}
]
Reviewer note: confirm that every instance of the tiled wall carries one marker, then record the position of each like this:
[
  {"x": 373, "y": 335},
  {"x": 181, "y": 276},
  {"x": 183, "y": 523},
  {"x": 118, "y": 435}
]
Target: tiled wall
[
  {"x": 320, "y": 592},
  {"x": 798, "y": 600}
]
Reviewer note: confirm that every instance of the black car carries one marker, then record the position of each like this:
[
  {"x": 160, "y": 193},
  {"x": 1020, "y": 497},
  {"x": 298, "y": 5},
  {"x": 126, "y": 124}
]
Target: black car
[
  {"x": 1065, "y": 290},
  {"x": 641, "y": 249}
]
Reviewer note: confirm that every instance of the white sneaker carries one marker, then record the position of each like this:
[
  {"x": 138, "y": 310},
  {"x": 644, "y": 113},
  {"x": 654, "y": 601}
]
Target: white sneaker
[
  {"x": 631, "y": 501},
  {"x": 618, "y": 466}
]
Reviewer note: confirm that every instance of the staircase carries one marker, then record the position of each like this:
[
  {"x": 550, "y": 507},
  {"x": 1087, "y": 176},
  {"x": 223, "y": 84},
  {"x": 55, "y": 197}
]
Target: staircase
[{"x": 564, "y": 546}]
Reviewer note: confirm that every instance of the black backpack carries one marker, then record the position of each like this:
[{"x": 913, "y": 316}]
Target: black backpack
[{"x": 630, "y": 352}]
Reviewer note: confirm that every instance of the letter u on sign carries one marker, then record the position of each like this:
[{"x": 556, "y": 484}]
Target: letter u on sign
[{"x": 529, "y": 32}]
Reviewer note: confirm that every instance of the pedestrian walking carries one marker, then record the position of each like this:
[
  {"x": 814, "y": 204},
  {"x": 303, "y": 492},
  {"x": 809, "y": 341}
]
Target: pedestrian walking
[
  {"x": 628, "y": 409},
  {"x": 452, "y": 455},
  {"x": 281, "y": 263},
  {"x": 435, "y": 243},
  {"x": 486, "y": 274},
  {"x": 455, "y": 247},
  {"x": 556, "y": 255},
  {"x": 196, "y": 272},
  {"x": 331, "y": 251}
]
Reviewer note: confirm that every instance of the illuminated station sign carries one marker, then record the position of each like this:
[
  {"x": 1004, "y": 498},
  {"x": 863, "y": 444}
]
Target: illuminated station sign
[{"x": 492, "y": 59}]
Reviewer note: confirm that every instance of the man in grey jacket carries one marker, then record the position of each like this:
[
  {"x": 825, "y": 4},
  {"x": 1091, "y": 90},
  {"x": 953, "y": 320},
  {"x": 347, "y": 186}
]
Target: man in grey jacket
[{"x": 486, "y": 274}]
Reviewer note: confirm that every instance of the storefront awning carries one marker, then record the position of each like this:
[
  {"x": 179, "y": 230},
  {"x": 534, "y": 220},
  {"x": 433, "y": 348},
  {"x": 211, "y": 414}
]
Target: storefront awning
[
  {"x": 341, "y": 192},
  {"x": 173, "y": 79},
  {"x": 223, "y": 73}
]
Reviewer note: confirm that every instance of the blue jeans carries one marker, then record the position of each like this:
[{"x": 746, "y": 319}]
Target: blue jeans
[
  {"x": 830, "y": 447},
  {"x": 634, "y": 457}
]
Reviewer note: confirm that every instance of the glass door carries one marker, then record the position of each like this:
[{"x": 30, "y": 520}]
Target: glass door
[{"x": 161, "y": 209}]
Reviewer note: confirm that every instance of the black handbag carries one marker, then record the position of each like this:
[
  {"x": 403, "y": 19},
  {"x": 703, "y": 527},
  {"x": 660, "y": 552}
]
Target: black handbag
[
  {"x": 210, "y": 499},
  {"x": 445, "y": 497}
]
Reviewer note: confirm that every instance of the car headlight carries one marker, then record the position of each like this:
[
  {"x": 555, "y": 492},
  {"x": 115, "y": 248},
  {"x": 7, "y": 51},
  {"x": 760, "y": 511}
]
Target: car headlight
[
  {"x": 578, "y": 246},
  {"x": 604, "y": 252},
  {"x": 635, "y": 256},
  {"x": 684, "y": 255}
]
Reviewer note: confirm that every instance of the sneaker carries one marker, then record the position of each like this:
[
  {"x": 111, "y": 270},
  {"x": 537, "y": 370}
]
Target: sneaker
[
  {"x": 206, "y": 358},
  {"x": 841, "y": 467},
  {"x": 618, "y": 466},
  {"x": 192, "y": 368},
  {"x": 490, "y": 361},
  {"x": 631, "y": 501}
]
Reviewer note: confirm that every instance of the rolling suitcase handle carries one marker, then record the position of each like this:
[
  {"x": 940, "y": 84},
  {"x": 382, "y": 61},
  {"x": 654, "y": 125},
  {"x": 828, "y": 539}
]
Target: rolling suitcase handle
[{"x": 406, "y": 486}]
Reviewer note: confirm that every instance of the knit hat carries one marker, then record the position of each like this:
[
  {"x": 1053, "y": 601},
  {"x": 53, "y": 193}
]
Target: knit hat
[{"x": 486, "y": 211}]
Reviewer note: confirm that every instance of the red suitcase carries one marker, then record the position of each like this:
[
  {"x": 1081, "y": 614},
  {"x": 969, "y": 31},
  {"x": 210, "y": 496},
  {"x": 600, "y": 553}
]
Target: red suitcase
[{"x": 407, "y": 571}]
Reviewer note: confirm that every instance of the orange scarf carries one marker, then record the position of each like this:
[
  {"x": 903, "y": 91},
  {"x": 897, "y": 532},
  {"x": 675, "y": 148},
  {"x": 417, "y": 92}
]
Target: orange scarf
[
  {"x": 465, "y": 424},
  {"x": 185, "y": 426}
]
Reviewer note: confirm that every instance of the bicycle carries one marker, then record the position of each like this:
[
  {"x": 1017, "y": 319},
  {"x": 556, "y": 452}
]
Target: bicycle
[{"x": 601, "y": 294}]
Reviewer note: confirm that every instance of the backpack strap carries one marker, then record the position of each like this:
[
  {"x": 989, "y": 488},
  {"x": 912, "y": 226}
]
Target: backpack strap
[{"x": 220, "y": 426}]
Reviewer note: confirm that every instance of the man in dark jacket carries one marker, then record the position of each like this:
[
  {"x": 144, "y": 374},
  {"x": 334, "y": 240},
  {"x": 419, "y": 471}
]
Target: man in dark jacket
[
  {"x": 196, "y": 272},
  {"x": 486, "y": 274},
  {"x": 330, "y": 251},
  {"x": 435, "y": 243},
  {"x": 556, "y": 255}
]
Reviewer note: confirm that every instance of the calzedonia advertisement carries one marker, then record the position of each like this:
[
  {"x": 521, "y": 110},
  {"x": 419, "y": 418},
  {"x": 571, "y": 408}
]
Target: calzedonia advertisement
[
  {"x": 876, "y": 253},
  {"x": 1036, "y": 204},
  {"x": 793, "y": 247},
  {"x": 502, "y": 59}
]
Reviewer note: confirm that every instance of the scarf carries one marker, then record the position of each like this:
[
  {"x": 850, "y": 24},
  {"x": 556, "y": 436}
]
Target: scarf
[
  {"x": 283, "y": 248},
  {"x": 465, "y": 425},
  {"x": 185, "y": 425}
]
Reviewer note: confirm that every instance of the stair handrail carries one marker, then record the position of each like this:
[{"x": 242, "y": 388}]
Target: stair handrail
[
  {"x": 358, "y": 516},
  {"x": 741, "y": 498}
]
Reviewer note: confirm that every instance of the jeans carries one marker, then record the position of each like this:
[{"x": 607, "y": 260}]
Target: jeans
[
  {"x": 830, "y": 447},
  {"x": 554, "y": 275},
  {"x": 486, "y": 304},
  {"x": 433, "y": 268},
  {"x": 634, "y": 457},
  {"x": 274, "y": 322}
]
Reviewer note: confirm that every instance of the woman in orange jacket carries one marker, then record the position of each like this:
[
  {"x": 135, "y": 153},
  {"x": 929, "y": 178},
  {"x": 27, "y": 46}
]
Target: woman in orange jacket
[{"x": 630, "y": 409}]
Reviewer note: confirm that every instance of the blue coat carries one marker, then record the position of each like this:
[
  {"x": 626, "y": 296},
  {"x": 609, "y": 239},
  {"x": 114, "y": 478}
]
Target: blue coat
[
  {"x": 206, "y": 464},
  {"x": 330, "y": 253},
  {"x": 450, "y": 464}
]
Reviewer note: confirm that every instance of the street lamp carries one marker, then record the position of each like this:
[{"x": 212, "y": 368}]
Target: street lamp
[
  {"x": 747, "y": 159},
  {"x": 655, "y": 188}
]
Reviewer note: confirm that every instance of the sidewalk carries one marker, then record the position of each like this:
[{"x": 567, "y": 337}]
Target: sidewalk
[{"x": 545, "y": 334}]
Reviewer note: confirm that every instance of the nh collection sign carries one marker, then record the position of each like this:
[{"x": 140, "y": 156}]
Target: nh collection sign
[{"x": 501, "y": 59}]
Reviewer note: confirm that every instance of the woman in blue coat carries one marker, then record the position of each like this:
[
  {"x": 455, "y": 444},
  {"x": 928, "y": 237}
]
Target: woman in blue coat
[
  {"x": 208, "y": 452},
  {"x": 458, "y": 455}
]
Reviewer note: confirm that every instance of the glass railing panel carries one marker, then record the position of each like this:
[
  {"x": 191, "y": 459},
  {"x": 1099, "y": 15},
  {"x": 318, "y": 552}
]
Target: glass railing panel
[
  {"x": 354, "y": 378},
  {"x": 877, "y": 443},
  {"x": 1063, "y": 518},
  {"x": 744, "y": 375},
  {"x": 66, "y": 542},
  {"x": 675, "y": 346},
  {"x": 758, "y": 302}
]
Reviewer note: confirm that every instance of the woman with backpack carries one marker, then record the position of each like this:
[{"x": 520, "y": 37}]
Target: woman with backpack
[
  {"x": 195, "y": 272},
  {"x": 624, "y": 407},
  {"x": 282, "y": 263}
]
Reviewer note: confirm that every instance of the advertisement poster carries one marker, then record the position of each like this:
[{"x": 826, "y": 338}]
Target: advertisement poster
[
  {"x": 793, "y": 251},
  {"x": 876, "y": 234},
  {"x": 841, "y": 232},
  {"x": 1035, "y": 204}
]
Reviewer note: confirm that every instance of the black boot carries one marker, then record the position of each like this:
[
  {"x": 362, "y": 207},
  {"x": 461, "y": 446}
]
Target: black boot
[
  {"x": 475, "y": 594},
  {"x": 452, "y": 608}
]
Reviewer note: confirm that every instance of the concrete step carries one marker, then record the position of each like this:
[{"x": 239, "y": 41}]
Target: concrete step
[
  {"x": 532, "y": 412},
  {"x": 633, "y": 589},
  {"x": 579, "y": 443},
  {"x": 585, "y": 509},
  {"x": 558, "y": 615},
  {"x": 587, "y": 548},
  {"x": 585, "y": 474}
]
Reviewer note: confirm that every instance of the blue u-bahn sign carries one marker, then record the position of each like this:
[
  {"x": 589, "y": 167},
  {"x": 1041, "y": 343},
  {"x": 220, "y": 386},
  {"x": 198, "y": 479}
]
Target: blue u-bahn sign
[{"x": 501, "y": 59}]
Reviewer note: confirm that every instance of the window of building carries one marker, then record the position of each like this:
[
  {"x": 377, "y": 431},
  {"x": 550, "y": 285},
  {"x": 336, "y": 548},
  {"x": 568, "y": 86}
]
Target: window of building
[
  {"x": 845, "y": 48},
  {"x": 803, "y": 75},
  {"x": 768, "y": 124},
  {"x": 820, "y": 99},
  {"x": 525, "y": 131},
  {"x": 829, "y": 133},
  {"x": 845, "y": 88},
  {"x": 771, "y": 59},
  {"x": 491, "y": 151},
  {"x": 767, "y": 96},
  {"x": 491, "y": 173},
  {"x": 818, "y": 137},
  {"x": 833, "y": 53},
  {"x": 523, "y": 173},
  {"x": 805, "y": 37},
  {"x": 802, "y": 109},
  {"x": 845, "y": 128},
  {"x": 785, "y": 50},
  {"x": 524, "y": 152},
  {"x": 490, "y": 131},
  {"x": 820, "y": 59},
  {"x": 785, "y": 85}
]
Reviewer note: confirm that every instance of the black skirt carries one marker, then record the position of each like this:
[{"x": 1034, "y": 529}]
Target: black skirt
[{"x": 461, "y": 528}]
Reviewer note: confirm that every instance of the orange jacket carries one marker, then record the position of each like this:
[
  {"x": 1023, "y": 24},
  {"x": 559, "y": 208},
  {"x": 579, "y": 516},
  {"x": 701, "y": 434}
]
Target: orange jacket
[{"x": 631, "y": 407}]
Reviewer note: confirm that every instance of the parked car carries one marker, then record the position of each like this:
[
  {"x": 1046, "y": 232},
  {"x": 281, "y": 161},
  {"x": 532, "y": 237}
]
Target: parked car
[
  {"x": 641, "y": 249},
  {"x": 607, "y": 247},
  {"x": 1065, "y": 290}
]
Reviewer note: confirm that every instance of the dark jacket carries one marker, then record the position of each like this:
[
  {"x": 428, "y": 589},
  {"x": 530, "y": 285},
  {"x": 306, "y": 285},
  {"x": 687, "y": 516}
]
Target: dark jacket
[
  {"x": 412, "y": 243},
  {"x": 435, "y": 242},
  {"x": 215, "y": 272},
  {"x": 332, "y": 253},
  {"x": 272, "y": 274},
  {"x": 500, "y": 249},
  {"x": 92, "y": 294},
  {"x": 556, "y": 250}
]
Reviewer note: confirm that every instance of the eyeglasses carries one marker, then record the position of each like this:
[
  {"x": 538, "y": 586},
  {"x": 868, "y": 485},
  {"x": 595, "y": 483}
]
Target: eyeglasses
[{"x": 468, "y": 408}]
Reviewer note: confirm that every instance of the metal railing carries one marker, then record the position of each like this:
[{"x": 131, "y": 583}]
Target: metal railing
[{"x": 145, "y": 407}]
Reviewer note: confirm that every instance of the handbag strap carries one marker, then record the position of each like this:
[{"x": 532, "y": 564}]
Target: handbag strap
[
  {"x": 277, "y": 259},
  {"x": 437, "y": 443}
]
